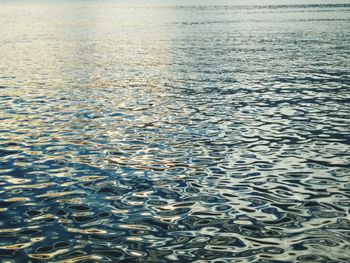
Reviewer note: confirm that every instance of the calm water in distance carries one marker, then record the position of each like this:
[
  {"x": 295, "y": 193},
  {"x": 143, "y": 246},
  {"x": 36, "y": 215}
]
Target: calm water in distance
[{"x": 174, "y": 131}]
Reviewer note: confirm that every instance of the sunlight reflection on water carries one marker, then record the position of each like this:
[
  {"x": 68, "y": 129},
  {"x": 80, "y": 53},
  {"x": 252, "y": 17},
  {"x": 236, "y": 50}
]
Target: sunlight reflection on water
[{"x": 174, "y": 133}]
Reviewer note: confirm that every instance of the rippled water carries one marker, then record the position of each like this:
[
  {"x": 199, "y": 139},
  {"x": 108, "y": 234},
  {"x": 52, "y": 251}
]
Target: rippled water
[{"x": 174, "y": 133}]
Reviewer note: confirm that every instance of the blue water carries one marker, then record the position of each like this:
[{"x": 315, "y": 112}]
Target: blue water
[{"x": 150, "y": 132}]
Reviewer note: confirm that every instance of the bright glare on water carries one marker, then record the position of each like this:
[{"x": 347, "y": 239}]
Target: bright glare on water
[{"x": 186, "y": 132}]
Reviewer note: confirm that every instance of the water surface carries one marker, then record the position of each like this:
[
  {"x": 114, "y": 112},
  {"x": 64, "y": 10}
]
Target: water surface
[{"x": 188, "y": 133}]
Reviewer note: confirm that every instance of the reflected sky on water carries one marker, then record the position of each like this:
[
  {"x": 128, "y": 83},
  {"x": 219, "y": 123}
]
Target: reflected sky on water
[{"x": 174, "y": 132}]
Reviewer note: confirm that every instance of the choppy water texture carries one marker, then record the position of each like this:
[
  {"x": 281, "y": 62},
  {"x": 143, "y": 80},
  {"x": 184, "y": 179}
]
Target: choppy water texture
[{"x": 174, "y": 133}]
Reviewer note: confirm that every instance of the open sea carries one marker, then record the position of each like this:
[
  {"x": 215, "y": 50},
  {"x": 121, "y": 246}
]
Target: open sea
[{"x": 150, "y": 131}]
